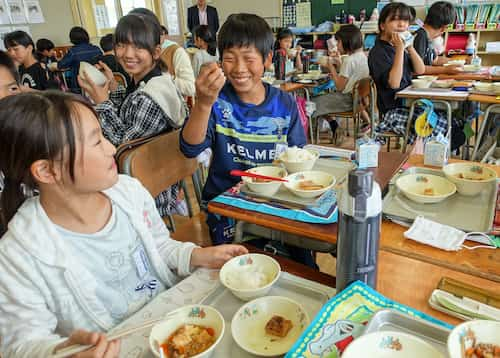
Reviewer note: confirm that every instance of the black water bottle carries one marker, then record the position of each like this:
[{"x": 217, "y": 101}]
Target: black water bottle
[
  {"x": 280, "y": 64},
  {"x": 360, "y": 215}
]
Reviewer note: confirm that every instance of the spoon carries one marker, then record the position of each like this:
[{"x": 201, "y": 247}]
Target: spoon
[{"x": 241, "y": 173}]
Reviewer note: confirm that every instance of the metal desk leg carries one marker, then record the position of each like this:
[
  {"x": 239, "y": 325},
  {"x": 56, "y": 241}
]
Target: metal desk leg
[
  {"x": 483, "y": 127},
  {"x": 408, "y": 126}
]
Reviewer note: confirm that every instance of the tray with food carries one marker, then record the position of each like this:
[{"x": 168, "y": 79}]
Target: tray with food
[
  {"x": 394, "y": 321},
  {"x": 445, "y": 196},
  {"x": 268, "y": 325},
  {"x": 303, "y": 178}
]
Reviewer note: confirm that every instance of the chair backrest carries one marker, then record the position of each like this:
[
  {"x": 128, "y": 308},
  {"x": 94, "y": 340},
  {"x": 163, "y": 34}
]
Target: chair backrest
[
  {"x": 120, "y": 78},
  {"x": 156, "y": 161},
  {"x": 61, "y": 51}
]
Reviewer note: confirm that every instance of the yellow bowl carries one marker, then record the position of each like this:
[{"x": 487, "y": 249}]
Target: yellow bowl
[
  {"x": 414, "y": 187},
  {"x": 470, "y": 178}
]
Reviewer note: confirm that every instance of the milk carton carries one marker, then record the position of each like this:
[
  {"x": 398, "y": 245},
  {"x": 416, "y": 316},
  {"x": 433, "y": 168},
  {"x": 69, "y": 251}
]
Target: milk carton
[
  {"x": 367, "y": 152},
  {"x": 436, "y": 152}
]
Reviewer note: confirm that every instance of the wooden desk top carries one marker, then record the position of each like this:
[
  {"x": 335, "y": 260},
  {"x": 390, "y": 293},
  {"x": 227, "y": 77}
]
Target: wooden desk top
[
  {"x": 470, "y": 77},
  {"x": 291, "y": 86},
  {"x": 389, "y": 164},
  {"x": 483, "y": 263},
  {"x": 453, "y": 96},
  {"x": 481, "y": 98}
]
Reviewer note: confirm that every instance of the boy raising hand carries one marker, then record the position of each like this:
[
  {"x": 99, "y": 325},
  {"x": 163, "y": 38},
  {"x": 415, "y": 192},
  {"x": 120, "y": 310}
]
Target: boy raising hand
[{"x": 242, "y": 119}]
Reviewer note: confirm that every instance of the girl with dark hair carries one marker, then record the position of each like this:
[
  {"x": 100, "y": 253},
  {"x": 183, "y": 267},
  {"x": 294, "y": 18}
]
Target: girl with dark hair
[
  {"x": 9, "y": 77},
  {"x": 207, "y": 45},
  {"x": 21, "y": 49},
  {"x": 91, "y": 249},
  {"x": 82, "y": 50},
  {"x": 284, "y": 41},
  {"x": 345, "y": 73},
  {"x": 392, "y": 65},
  {"x": 150, "y": 104}
]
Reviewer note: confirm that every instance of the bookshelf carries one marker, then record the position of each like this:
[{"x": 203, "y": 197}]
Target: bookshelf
[{"x": 482, "y": 37}]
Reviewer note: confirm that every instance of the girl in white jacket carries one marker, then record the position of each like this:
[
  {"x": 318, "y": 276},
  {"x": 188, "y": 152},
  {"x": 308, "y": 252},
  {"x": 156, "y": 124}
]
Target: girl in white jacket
[{"x": 91, "y": 249}]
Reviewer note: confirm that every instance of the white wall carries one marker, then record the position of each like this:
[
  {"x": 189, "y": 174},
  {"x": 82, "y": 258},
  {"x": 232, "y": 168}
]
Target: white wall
[
  {"x": 264, "y": 8},
  {"x": 58, "y": 22}
]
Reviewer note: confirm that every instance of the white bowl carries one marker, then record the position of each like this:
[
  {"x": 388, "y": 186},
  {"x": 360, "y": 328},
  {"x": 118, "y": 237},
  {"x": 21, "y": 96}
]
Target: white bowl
[
  {"x": 418, "y": 83},
  {"x": 496, "y": 87},
  {"x": 248, "y": 325},
  {"x": 292, "y": 52},
  {"x": 193, "y": 314},
  {"x": 298, "y": 159},
  {"x": 428, "y": 78},
  {"x": 387, "y": 344},
  {"x": 475, "y": 179},
  {"x": 484, "y": 332},
  {"x": 443, "y": 83},
  {"x": 471, "y": 68},
  {"x": 250, "y": 276},
  {"x": 266, "y": 188},
  {"x": 483, "y": 86},
  {"x": 455, "y": 63},
  {"x": 327, "y": 180},
  {"x": 413, "y": 187},
  {"x": 92, "y": 72}
]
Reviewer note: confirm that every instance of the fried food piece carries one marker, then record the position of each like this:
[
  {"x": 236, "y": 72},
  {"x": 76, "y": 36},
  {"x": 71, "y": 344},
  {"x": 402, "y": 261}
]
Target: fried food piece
[
  {"x": 278, "y": 326},
  {"x": 309, "y": 185},
  {"x": 429, "y": 191}
]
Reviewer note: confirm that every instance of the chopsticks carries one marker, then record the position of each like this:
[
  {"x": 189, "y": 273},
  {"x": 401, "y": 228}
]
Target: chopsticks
[
  {"x": 241, "y": 173},
  {"x": 77, "y": 348}
]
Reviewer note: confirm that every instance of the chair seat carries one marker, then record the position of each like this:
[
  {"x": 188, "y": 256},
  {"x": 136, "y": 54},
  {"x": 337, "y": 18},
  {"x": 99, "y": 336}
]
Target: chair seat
[{"x": 193, "y": 229}]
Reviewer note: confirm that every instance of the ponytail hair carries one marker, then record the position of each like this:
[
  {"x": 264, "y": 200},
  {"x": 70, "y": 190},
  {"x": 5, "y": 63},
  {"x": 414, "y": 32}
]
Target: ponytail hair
[
  {"x": 34, "y": 126},
  {"x": 204, "y": 33}
]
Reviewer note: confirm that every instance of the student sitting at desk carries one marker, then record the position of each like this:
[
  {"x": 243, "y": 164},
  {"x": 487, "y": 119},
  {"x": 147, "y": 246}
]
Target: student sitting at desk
[
  {"x": 439, "y": 16},
  {"x": 392, "y": 67},
  {"x": 284, "y": 41}
]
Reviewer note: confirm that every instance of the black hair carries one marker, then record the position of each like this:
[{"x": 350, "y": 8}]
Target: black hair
[
  {"x": 44, "y": 45},
  {"x": 246, "y": 30},
  {"x": 413, "y": 14},
  {"x": 106, "y": 42},
  {"x": 441, "y": 13},
  {"x": 78, "y": 35},
  {"x": 47, "y": 121},
  {"x": 16, "y": 38},
  {"x": 282, "y": 34},
  {"x": 141, "y": 30},
  {"x": 164, "y": 30},
  {"x": 394, "y": 11},
  {"x": 204, "y": 33},
  {"x": 6, "y": 61},
  {"x": 351, "y": 38}
]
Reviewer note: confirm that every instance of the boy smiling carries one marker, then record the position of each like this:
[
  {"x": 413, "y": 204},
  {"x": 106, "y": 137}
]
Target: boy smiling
[{"x": 243, "y": 120}]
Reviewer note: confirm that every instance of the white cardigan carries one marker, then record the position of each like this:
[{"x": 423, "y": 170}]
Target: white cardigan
[{"x": 46, "y": 293}]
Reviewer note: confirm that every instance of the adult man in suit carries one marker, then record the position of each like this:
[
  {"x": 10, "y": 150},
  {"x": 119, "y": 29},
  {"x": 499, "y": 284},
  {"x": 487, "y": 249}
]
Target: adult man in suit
[{"x": 202, "y": 14}]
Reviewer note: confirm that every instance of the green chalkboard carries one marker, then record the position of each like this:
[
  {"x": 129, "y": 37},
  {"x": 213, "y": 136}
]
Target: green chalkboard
[{"x": 322, "y": 10}]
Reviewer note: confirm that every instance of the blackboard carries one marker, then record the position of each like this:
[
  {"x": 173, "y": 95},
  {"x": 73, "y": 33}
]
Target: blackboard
[{"x": 323, "y": 10}]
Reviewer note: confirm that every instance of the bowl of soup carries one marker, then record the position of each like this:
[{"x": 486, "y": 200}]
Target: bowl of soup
[
  {"x": 310, "y": 184},
  {"x": 469, "y": 177},
  {"x": 191, "y": 331},
  {"x": 266, "y": 187}
]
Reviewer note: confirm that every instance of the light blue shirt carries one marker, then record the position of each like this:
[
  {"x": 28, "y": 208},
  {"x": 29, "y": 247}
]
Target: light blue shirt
[{"x": 116, "y": 257}]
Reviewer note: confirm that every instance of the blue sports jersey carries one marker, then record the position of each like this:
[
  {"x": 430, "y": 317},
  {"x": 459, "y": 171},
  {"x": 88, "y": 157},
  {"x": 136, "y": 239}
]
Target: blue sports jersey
[{"x": 243, "y": 135}]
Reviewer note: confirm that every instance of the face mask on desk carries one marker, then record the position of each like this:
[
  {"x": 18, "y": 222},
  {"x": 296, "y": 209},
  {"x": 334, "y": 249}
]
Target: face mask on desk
[{"x": 442, "y": 236}]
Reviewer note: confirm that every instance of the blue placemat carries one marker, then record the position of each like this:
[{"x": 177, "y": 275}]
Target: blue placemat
[
  {"x": 343, "y": 318},
  {"x": 324, "y": 213}
]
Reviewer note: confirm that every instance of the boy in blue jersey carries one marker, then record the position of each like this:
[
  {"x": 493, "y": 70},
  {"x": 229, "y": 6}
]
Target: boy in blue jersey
[{"x": 242, "y": 119}]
